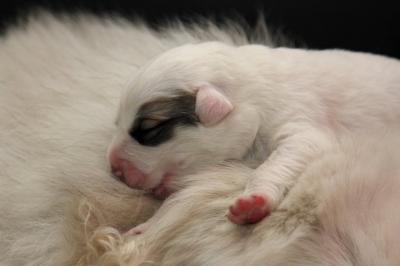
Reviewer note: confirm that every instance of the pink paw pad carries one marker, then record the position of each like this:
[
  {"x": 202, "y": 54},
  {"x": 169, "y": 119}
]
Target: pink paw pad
[{"x": 249, "y": 209}]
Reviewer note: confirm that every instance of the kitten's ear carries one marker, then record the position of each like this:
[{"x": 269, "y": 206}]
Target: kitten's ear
[{"x": 211, "y": 105}]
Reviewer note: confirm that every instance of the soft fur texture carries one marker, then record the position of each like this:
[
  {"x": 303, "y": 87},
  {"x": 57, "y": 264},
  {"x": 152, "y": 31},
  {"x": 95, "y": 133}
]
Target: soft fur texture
[
  {"x": 60, "y": 82},
  {"x": 290, "y": 103},
  {"x": 341, "y": 212}
]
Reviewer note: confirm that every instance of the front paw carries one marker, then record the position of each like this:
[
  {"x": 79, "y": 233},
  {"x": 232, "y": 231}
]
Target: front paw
[{"x": 249, "y": 209}]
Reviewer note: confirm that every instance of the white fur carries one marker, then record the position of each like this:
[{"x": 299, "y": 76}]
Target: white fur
[
  {"x": 341, "y": 212},
  {"x": 60, "y": 82},
  {"x": 297, "y": 101}
]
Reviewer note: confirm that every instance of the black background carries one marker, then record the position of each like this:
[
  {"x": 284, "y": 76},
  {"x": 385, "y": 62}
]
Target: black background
[{"x": 371, "y": 26}]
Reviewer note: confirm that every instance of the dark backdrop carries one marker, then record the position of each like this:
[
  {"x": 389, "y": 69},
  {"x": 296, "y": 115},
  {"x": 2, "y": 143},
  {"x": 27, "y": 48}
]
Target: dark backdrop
[{"x": 355, "y": 25}]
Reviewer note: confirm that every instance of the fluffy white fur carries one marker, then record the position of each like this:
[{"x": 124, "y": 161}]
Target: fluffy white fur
[
  {"x": 341, "y": 212},
  {"x": 290, "y": 103},
  {"x": 60, "y": 82}
]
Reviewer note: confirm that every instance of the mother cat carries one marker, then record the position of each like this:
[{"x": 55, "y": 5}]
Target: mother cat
[{"x": 60, "y": 81}]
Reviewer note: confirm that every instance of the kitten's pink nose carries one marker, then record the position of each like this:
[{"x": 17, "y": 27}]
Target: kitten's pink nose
[{"x": 126, "y": 171}]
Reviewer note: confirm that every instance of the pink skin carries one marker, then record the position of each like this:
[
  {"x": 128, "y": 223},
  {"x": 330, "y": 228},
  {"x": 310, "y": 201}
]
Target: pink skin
[
  {"x": 163, "y": 190},
  {"x": 129, "y": 174},
  {"x": 249, "y": 209},
  {"x": 133, "y": 177}
]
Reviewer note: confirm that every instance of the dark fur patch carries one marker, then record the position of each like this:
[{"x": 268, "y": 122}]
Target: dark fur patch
[{"x": 156, "y": 121}]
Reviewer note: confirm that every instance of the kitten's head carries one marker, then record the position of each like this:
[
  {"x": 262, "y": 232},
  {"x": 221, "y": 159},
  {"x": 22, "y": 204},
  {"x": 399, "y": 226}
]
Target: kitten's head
[{"x": 179, "y": 115}]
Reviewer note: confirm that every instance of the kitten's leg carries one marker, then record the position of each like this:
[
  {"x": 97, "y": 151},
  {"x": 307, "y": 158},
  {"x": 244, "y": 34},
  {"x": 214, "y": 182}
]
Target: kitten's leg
[{"x": 274, "y": 178}]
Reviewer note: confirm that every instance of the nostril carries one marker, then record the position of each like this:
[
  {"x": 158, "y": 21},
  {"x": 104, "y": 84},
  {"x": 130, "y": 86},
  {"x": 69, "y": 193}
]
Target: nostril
[
  {"x": 117, "y": 169},
  {"x": 116, "y": 172}
]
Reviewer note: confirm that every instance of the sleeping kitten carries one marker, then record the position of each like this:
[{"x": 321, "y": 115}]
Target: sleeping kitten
[{"x": 202, "y": 104}]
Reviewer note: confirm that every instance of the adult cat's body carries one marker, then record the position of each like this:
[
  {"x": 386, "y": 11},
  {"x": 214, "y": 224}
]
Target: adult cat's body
[
  {"x": 60, "y": 82},
  {"x": 59, "y": 86}
]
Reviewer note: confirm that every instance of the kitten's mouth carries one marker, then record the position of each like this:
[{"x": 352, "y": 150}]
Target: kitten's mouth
[{"x": 163, "y": 190}]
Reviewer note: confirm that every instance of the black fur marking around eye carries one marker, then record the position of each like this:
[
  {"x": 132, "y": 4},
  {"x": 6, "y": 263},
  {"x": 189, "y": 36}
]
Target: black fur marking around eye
[{"x": 172, "y": 112}]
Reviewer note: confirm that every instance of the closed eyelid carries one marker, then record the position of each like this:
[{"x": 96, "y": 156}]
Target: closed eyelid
[
  {"x": 149, "y": 123},
  {"x": 163, "y": 115}
]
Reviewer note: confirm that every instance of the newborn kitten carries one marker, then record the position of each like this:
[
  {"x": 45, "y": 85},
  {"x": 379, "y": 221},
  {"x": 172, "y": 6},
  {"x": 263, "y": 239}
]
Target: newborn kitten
[{"x": 201, "y": 104}]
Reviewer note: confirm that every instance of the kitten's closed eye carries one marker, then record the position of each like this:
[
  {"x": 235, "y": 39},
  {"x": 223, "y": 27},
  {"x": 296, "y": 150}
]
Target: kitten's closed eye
[
  {"x": 155, "y": 121},
  {"x": 151, "y": 132},
  {"x": 149, "y": 123}
]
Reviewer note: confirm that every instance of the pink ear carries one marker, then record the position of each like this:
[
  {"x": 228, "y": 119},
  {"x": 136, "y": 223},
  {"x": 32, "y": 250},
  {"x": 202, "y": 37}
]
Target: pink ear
[{"x": 211, "y": 105}]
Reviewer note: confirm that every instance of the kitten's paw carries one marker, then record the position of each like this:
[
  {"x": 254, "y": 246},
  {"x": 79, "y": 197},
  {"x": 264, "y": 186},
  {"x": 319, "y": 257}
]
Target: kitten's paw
[{"x": 249, "y": 209}]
